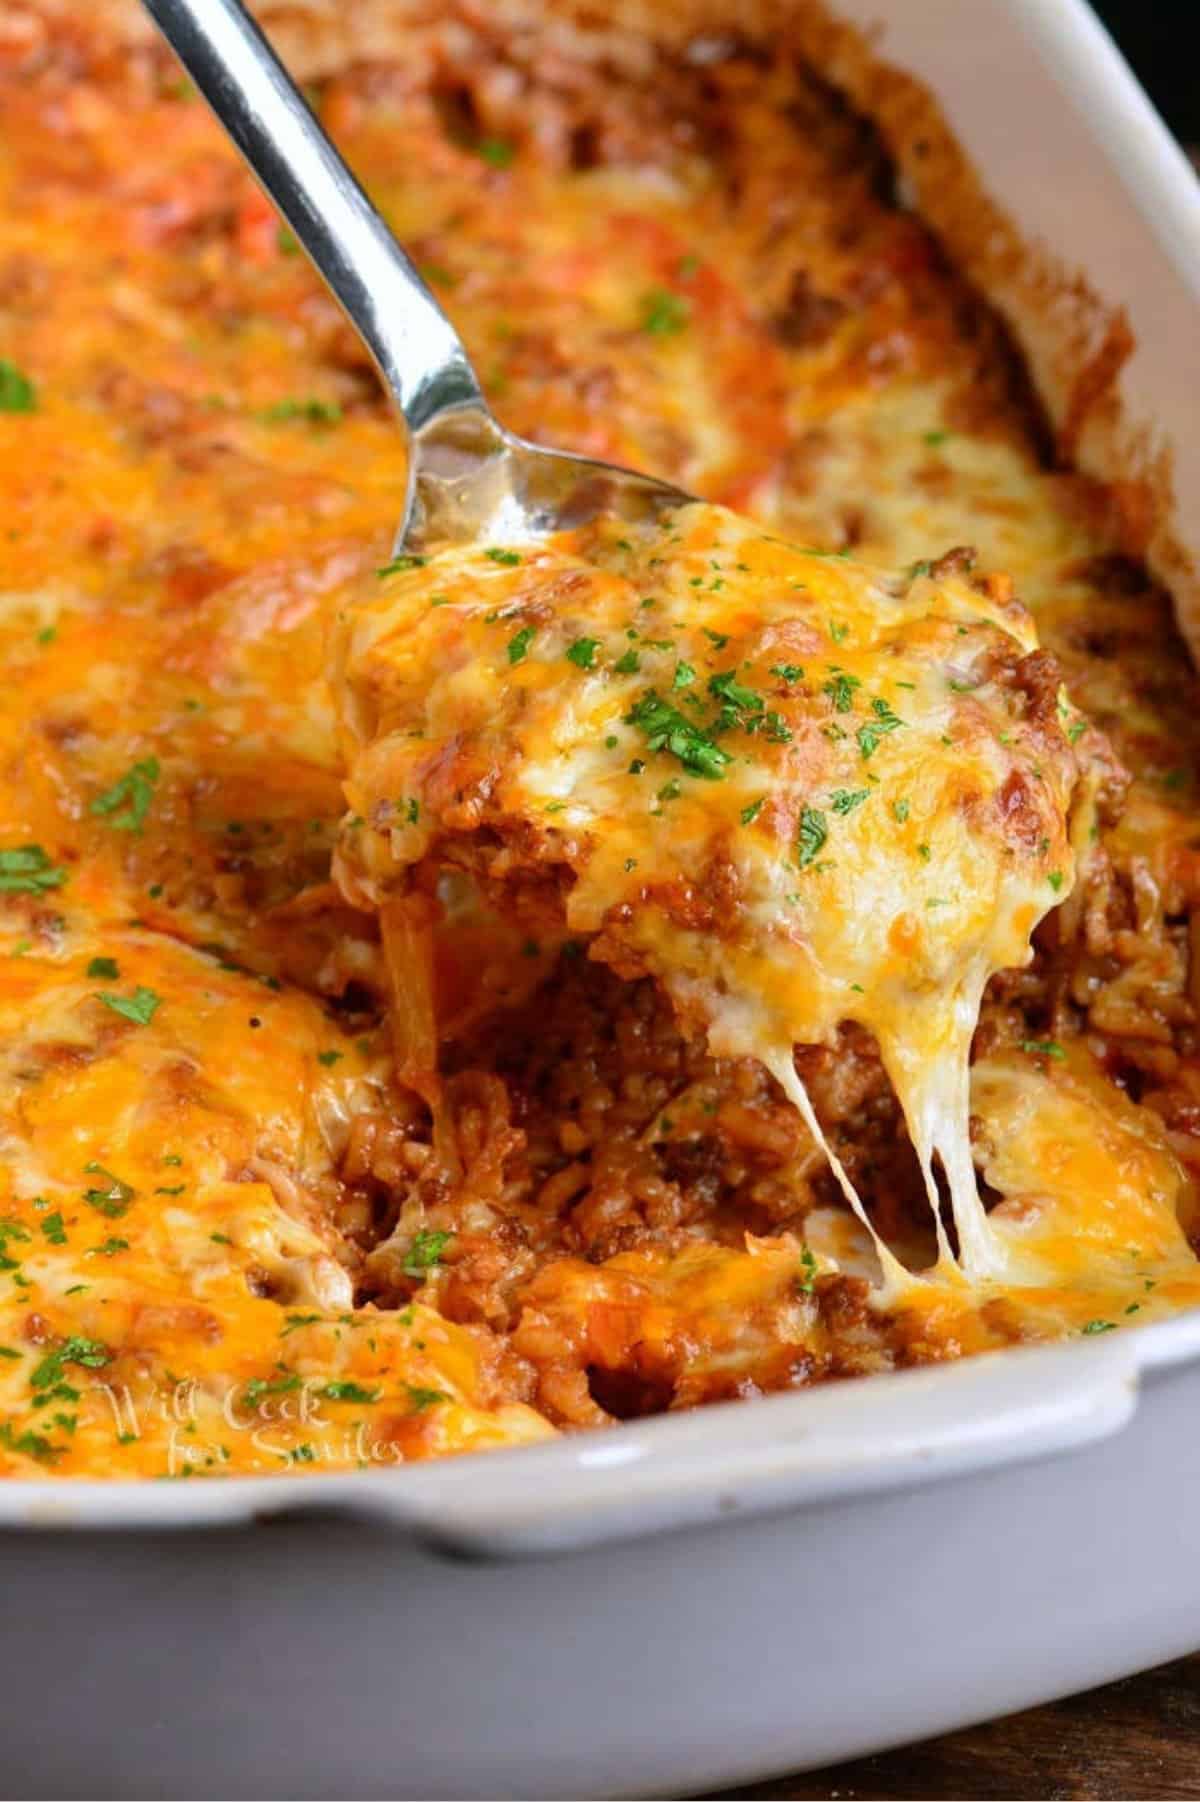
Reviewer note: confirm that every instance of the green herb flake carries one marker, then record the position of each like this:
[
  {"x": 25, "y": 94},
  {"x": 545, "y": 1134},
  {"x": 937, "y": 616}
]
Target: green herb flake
[
  {"x": 26, "y": 870},
  {"x": 845, "y": 800},
  {"x": 667, "y": 729},
  {"x": 837, "y": 631},
  {"x": 126, "y": 804},
  {"x": 293, "y": 1322},
  {"x": 343, "y": 1391},
  {"x": 583, "y": 652},
  {"x": 17, "y": 392},
  {"x": 684, "y": 676},
  {"x": 330, "y": 1058},
  {"x": 103, "y": 969},
  {"x": 1056, "y": 880},
  {"x": 1099, "y": 1326},
  {"x": 425, "y": 1253},
  {"x": 519, "y": 643},
  {"x": 508, "y": 559},
  {"x": 885, "y": 721},
  {"x": 811, "y": 836},
  {"x": 789, "y": 672},
  {"x": 751, "y": 813},
  {"x": 405, "y": 561},
  {"x": 840, "y": 689},
  {"x": 91, "y": 1354},
  {"x": 664, "y": 314},
  {"x": 497, "y": 153},
  {"x": 424, "y": 1398},
  {"x": 52, "y": 1226},
  {"x": 629, "y": 664},
  {"x": 1043, "y": 1048},
  {"x": 308, "y": 410},
  {"x": 140, "y": 1007},
  {"x": 111, "y": 1200},
  {"x": 806, "y": 1282}
]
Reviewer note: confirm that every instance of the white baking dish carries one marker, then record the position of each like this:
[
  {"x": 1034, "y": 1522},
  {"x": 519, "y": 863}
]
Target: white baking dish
[{"x": 696, "y": 1600}]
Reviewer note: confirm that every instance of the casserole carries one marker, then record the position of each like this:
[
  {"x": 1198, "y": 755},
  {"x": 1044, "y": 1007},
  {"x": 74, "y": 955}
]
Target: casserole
[{"x": 1092, "y": 1385}]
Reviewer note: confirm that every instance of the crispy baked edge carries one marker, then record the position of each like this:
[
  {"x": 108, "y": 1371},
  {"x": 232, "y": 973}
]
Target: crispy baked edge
[{"x": 1074, "y": 344}]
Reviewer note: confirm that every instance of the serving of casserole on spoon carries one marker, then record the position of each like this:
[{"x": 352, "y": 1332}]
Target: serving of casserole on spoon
[{"x": 796, "y": 791}]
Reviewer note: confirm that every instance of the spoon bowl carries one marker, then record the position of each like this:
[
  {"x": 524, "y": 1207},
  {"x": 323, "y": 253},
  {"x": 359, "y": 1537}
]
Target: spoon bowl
[{"x": 469, "y": 480}]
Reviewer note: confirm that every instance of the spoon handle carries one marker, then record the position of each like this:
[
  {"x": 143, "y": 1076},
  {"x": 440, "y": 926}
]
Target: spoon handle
[{"x": 417, "y": 350}]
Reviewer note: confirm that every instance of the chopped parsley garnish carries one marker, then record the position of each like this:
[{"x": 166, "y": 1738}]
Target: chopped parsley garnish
[
  {"x": 737, "y": 701},
  {"x": 17, "y": 392},
  {"x": 425, "y": 1253},
  {"x": 1043, "y": 1048},
  {"x": 508, "y": 558},
  {"x": 583, "y": 652},
  {"x": 810, "y": 836},
  {"x": 497, "y": 153},
  {"x": 103, "y": 969},
  {"x": 663, "y": 313},
  {"x": 26, "y": 870},
  {"x": 924, "y": 852},
  {"x": 311, "y": 410},
  {"x": 132, "y": 795},
  {"x": 113, "y": 1199},
  {"x": 54, "y": 1229},
  {"x": 140, "y": 1007},
  {"x": 33, "y": 1445},
  {"x": 293, "y": 1322},
  {"x": 1099, "y": 1326},
  {"x": 837, "y": 631},
  {"x": 840, "y": 689},
  {"x": 519, "y": 643},
  {"x": 406, "y": 560},
  {"x": 667, "y": 729},
  {"x": 92, "y": 1354},
  {"x": 1075, "y": 731},
  {"x": 111, "y": 1247},
  {"x": 935, "y": 438},
  {"x": 424, "y": 1398},
  {"x": 259, "y": 1387},
  {"x": 790, "y": 672},
  {"x": 900, "y": 809},
  {"x": 885, "y": 721},
  {"x": 629, "y": 664},
  {"x": 342, "y": 1391},
  {"x": 684, "y": 676},
  {"x": 751, "y": 813},
  {"x": 845, "y": 800},
  {"x": 330, "y": 1058},
  {"x": 717, "y": 639},
  {"x": 806, "y": 1282},
  {"x": 1055, "y": 879}
]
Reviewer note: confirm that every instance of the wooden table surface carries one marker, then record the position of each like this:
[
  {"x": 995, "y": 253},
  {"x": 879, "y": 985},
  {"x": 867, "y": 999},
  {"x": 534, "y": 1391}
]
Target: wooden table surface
[{"x": 1139, "y": 1738}]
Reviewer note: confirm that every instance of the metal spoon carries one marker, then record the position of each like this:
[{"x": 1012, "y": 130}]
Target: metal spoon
[{"x": 469, "y": 480}]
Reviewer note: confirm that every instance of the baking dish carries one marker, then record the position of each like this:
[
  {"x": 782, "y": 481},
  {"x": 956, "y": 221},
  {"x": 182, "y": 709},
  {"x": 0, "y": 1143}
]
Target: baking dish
[{"x": 694, "y": 1600}]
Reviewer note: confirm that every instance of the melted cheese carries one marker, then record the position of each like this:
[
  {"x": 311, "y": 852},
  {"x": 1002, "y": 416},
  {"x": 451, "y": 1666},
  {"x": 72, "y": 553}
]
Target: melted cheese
[
  {"x": 201, "y": 472},
  {"x": 794, "y": 789}
]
